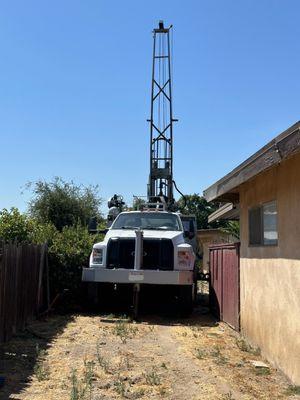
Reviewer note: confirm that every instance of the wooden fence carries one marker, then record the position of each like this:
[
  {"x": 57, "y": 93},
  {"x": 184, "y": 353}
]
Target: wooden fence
[
  {"x": 23, "y": 285},
  {"x": 224, "y": 261}
]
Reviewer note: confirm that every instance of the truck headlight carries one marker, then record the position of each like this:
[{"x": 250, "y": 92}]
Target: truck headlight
[
  {"x": 184, "y": 258},
  {"x": 97, "y": 256}
]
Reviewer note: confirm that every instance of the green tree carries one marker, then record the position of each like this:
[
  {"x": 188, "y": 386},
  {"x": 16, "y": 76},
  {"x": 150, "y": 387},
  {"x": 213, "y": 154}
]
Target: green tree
[
  {"x": 64, "y": 203},
  {"x": 138, "y": 203},
  {"x": 198, "y": 206},
  {"x": 232, "y": 228}
]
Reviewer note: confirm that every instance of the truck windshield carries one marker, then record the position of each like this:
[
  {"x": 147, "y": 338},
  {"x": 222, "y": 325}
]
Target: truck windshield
[{"x": 148, "y": 220}]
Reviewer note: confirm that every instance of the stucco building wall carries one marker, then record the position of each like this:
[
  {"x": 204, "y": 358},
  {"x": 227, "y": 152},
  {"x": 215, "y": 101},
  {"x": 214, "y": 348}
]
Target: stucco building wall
[{"x": 270, "y": 276}]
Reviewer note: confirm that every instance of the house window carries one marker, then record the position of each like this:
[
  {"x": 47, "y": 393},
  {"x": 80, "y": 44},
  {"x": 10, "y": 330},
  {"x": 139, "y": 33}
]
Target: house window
[
  {"x": 263, "y": 225},
  {"x": 255, "y": 226}
]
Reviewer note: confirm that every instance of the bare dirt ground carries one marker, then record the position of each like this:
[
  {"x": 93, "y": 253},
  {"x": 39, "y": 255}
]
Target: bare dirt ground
[{"x": 92, "y": 357}]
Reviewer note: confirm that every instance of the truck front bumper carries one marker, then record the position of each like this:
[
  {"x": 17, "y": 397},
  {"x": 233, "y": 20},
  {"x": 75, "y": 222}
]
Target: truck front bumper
[{"x": 152, "y": 277}]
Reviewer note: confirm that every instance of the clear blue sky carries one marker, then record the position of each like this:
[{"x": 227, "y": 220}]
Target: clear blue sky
[{"x": 75, "y": 89}]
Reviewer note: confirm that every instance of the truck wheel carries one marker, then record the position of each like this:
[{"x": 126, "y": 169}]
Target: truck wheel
[
  {"x": 195, "y": 286},
  {"x": 186, "y": 295},
  {"x": 195, "y": 293},
  {"x": 92, "y": 295}
]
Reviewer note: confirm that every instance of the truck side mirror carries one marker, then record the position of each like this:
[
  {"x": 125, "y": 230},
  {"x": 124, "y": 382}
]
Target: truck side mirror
[
  {"x": 92, "y": 227},
  {"x": 189, "y": 234},
  {"x": 103, "y": 231}
]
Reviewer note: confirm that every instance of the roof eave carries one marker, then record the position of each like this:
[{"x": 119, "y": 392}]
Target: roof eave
[
  {"x": 278, "y": 149},
  {"x": 228, "y": 211}
]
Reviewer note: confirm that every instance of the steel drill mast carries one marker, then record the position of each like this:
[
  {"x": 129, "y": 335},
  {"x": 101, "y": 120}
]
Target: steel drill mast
[{"x": 161, "y": 119}]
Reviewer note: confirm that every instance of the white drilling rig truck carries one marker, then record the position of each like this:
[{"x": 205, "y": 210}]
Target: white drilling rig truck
[{"x": 155, "y": 245}]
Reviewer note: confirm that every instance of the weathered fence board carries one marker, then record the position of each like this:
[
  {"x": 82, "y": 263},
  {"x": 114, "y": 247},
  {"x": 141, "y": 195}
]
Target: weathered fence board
[{"x": 22, "y": 269}]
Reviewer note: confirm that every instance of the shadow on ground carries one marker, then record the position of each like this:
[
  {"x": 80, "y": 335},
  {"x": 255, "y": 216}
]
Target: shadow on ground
[
  {"x": 156, "y": 306},
  {"x": 19, "y": 356}
]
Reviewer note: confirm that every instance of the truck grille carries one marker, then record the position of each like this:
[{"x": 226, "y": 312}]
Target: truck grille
[{"x": 157, "y": 253}]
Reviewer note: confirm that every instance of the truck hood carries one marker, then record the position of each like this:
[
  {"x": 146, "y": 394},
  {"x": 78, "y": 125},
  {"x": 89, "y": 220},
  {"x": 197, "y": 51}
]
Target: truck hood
[{"x": 175, "y": 236}]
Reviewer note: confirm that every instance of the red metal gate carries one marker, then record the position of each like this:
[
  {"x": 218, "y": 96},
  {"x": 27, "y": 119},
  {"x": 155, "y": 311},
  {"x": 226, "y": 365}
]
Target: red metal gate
[{"x": 224, "y": 260}]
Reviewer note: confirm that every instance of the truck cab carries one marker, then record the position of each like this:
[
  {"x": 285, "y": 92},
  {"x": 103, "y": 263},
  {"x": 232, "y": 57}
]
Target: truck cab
[{"x": 148, "y": 248}]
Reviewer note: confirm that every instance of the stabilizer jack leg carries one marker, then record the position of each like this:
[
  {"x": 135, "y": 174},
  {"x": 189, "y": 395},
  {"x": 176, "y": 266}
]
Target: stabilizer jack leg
[{"x": 136, "y": 295}]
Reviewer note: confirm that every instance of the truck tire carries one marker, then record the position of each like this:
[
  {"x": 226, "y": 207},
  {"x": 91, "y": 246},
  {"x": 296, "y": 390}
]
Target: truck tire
[
  {"x": 100, "y": 296},
  {"x": 186, "y": 296},
  {"x": 92, "y": 295},
  {"x": 195, "y": 286}
]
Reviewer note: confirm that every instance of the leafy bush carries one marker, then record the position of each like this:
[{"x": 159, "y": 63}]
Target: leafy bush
[
  {"x": 14, "y": 226},
  {"x": 64, "y": 203},
  {"x": 69, "y": 251},
  {"x": 20, "y": 228},
  {"x": 41, "y": 233},
  {"x": 232, "y": 228}
]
